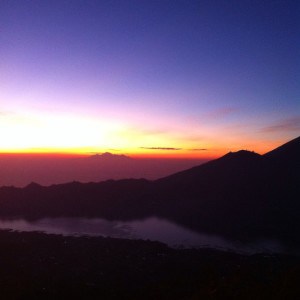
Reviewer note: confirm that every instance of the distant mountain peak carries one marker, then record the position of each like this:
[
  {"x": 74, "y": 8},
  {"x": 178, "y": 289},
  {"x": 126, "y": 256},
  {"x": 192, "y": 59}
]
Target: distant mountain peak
[
  {"x": 109, "y": 156},
  {"x": 33, "y": 185},
  {"x": 241, "y": 154}
]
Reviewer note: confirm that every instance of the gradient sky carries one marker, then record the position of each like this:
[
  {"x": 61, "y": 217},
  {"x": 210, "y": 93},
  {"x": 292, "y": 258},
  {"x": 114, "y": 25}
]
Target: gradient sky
[{"x": 174, "y": 78}]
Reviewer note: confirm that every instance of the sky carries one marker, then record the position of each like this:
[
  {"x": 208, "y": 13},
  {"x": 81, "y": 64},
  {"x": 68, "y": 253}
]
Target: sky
[{"x": 149, "y": 78}]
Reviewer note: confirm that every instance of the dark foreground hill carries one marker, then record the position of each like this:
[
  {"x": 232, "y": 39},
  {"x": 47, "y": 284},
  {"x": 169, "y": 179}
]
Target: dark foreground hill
[{"x": 243, "y": 195}]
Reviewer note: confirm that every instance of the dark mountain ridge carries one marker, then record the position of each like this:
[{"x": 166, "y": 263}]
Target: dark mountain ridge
[
  {"x": 289, "y": 150},
  {"x": 243, "y": 195},
  {"x": 242, "y": 192}
]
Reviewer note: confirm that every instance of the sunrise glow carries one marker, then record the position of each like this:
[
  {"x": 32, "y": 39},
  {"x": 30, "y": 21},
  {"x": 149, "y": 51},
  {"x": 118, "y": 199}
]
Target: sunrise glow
[{"x": 72, "y": 85}]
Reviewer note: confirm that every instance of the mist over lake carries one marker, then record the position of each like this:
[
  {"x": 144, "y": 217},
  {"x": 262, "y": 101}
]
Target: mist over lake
[{"x": 153, "y": 228}]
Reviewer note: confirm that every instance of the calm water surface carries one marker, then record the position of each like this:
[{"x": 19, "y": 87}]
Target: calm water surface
[{"x": 152, "y": 228}]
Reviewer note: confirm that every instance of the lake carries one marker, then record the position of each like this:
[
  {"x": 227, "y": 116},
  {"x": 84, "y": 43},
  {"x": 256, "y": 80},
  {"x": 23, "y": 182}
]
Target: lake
[{"x": 152, "y": 228}]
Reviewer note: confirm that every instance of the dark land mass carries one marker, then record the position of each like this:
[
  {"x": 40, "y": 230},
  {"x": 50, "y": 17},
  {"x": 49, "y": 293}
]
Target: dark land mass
[
  {"x": 21, "y": 169},
  {"x": 242, "y": 195},
  {"x": 40, "y": 266}
]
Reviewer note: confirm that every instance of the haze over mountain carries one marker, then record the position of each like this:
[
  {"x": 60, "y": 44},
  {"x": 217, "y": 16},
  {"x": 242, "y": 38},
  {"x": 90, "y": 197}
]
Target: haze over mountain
[
  {"x": 243, "y": 195},
  {"x": 19, "y": 170},
  {"x": 109, "y": 156}
]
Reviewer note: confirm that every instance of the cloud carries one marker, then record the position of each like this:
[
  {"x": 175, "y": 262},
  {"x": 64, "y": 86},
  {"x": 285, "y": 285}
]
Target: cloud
[
  {"x": 289, "y": 124},
  {"x": 144, "y": 130},
  {"x": 152, "y": 131},
  {"x": 161, "y": 148},
  {"x": 220, "y": 113},
  {"x": 4, "y": 113},
  {"x": 173, "y": 148}
]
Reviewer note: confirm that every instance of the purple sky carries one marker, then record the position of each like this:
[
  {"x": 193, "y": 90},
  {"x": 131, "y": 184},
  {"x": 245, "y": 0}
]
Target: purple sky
[{"x": 144, "y": 76}]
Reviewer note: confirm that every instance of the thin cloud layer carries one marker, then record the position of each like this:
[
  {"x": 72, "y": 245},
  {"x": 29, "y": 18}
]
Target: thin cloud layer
[
  {"x": 161, "y": 148},
  {"x": 289, "y": 124},
  {"x": 220, "y": 113},
  {"x": 3, "y": 113},
  {"x": 173, "y": 148}
]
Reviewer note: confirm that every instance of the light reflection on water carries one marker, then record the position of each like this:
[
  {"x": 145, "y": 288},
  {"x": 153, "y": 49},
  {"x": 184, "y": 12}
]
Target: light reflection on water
[{"x": 152, "y": 228}]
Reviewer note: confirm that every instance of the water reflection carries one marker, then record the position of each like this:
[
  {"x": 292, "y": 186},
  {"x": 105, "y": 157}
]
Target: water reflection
[{"x": 153, "y": 228}]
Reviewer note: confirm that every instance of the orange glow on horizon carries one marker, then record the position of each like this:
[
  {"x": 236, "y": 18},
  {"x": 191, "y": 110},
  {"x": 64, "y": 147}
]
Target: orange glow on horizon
[
  {"x": 186, "y": 150},
  {"x": 67, "y": 134},
  {"x": 137, "y": 155},
  {"x": 131, "y": 152}
]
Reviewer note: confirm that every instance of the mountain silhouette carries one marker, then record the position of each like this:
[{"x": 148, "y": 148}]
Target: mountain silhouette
[
  {"x": 288, "y": 151},
  {"x": 109, "y": 156},
  {"x": 243, "y": 195}
]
